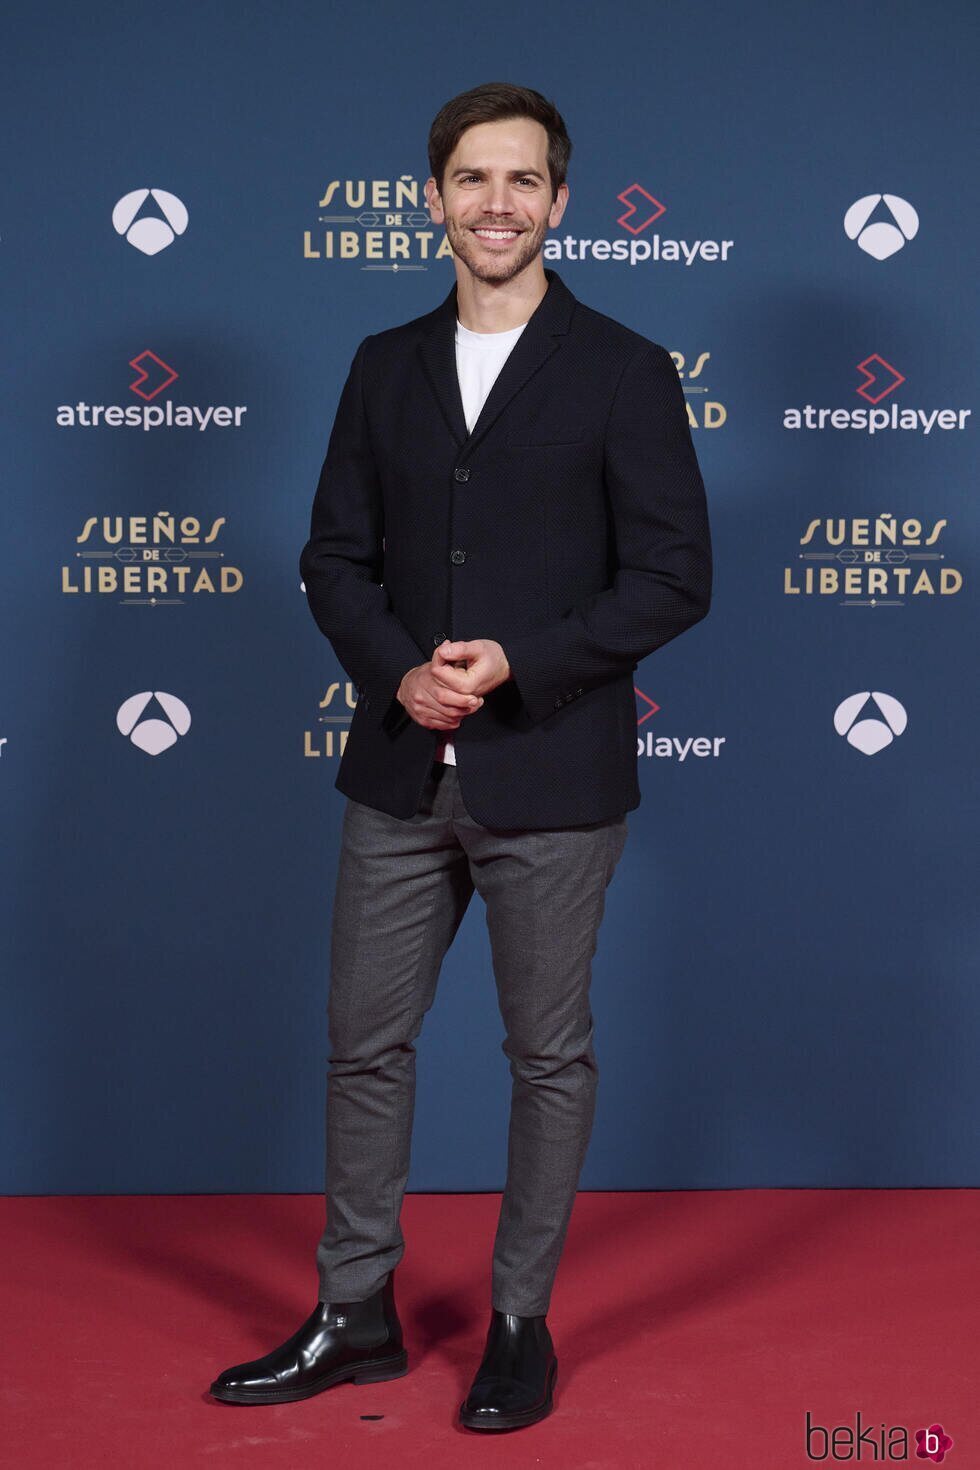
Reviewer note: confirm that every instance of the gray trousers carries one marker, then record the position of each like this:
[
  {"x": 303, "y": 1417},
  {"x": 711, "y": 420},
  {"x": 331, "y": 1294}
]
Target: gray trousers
[{"x": 402, "y": 890}]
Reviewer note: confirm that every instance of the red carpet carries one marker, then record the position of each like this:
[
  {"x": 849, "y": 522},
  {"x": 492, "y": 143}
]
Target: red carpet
[{"x": 693, "y": 1329}]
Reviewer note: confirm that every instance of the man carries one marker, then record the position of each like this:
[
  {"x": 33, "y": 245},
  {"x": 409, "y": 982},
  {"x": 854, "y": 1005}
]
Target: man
[{"x": 510, "y": 515}]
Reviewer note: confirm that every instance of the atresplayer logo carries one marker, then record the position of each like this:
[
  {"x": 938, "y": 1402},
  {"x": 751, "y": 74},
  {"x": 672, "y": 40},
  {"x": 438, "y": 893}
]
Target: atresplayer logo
[
  {"x": 844, "y": 1443},
  {"x": 153, "y": 377},
  {"x": 879, "y": 380},
  {"x": 671, "y": 747},
  {"x": 640, "y": 210}
]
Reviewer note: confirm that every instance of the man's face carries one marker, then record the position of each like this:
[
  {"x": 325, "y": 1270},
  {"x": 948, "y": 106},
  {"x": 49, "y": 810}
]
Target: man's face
[{"x": 497, "y": 176}]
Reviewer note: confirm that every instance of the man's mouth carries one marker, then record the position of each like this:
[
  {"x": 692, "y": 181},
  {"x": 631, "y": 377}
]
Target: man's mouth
[{"x": 488, "y": 233}]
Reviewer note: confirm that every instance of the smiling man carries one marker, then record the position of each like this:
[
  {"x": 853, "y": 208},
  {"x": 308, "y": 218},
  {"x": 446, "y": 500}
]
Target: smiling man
[{"x": 510, "y": 515}]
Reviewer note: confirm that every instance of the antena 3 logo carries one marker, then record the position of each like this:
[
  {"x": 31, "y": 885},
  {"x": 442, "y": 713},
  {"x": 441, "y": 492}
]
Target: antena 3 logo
[
  {"x": 882, "y": 718},
  {"x": 382, "y": 222},
  {"x": 867, "y": 561},
  {"x": 878, "y": 380},
  {"x": 153, "y": 377},
  {"x": 154, "y": 232},
  {"x": 153, "y": 734},
  {"x": 897, "y": 222},
  {"x": 149, "y": 561},
  {"x": 638, "y": 210}
]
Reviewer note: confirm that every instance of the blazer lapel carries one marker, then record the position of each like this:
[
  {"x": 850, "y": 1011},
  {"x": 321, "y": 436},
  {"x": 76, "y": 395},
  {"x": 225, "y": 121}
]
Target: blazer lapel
[{"x": 541, "y": 337}]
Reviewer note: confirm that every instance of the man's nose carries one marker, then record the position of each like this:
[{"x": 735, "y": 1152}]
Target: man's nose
[{"x": 499, "y": 201}]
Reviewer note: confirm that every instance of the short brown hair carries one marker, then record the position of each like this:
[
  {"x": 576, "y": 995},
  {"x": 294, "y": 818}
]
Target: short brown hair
[{"x": 491, "y": 102}]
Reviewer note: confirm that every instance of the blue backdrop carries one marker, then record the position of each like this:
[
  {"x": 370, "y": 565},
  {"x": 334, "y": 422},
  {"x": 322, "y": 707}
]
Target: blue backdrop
[{"x": 785, "y": 990}]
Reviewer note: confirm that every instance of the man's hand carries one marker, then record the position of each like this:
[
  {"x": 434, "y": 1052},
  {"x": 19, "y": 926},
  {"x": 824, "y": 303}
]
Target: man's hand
[
  {"x": 473, "y": 667},
  {"x": 431, "y": 703},
  {"x": 439, "y": 694}
]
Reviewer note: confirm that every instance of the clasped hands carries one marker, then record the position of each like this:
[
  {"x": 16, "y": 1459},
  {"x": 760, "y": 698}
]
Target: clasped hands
[{"x": 441, "y": 693}]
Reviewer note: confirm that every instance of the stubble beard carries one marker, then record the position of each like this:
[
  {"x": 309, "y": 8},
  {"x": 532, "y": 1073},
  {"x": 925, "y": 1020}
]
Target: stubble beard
[{"x": 487, "y": 267}]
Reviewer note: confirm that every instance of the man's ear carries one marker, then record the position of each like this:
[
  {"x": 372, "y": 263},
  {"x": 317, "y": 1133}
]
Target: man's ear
[
  {"x": 434, "y": 200},
  {"x": 558, "y": 207}
]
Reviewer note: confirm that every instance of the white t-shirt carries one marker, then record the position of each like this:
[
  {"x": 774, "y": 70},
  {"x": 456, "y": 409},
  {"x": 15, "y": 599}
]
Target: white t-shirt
[{"x": 479, "y": 358}]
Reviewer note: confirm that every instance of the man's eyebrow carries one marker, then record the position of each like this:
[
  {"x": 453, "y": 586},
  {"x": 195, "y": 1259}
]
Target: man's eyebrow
[{"x": 515, "y": 173}]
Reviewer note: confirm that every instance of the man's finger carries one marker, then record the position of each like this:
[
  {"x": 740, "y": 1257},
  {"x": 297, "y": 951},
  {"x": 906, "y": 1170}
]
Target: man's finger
[
  {"x": 450, "y": 678},
  {"x": 453, "y": 699},
  {"x": 458, "y": 650},
  {"x": 438, "y": 719}
]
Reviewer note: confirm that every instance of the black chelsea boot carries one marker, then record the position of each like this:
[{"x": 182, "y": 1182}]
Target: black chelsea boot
[
  {"x": 359, "y": 1342},
  {"x": 515, "y": 1382}
]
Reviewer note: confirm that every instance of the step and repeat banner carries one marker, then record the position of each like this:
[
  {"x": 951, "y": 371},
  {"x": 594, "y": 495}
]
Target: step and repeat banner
[{"x": 207, "y": 208}]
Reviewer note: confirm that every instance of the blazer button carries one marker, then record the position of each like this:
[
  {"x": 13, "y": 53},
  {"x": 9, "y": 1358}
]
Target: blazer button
[
  {"x": 462, "y": 475},
  {"x": 438, "y": 638},
  {"x": 457, "y": 557}
]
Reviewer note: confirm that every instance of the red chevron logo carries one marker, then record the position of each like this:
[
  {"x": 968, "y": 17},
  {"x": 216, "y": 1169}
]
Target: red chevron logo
[
  {"x": 640, "y": 224},
  {"x": 168, "y": 375},
  {"x": 654, "y": 706},
  {"x": 871, "y": 377}
]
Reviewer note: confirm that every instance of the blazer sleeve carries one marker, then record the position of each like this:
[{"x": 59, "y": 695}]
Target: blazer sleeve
[
  {"x": 342, "y": 562},
  {"x": 662, "y": 583}
]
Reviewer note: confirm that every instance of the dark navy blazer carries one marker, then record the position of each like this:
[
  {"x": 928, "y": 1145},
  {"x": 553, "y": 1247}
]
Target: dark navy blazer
[{"x": 570, "y": 525}]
